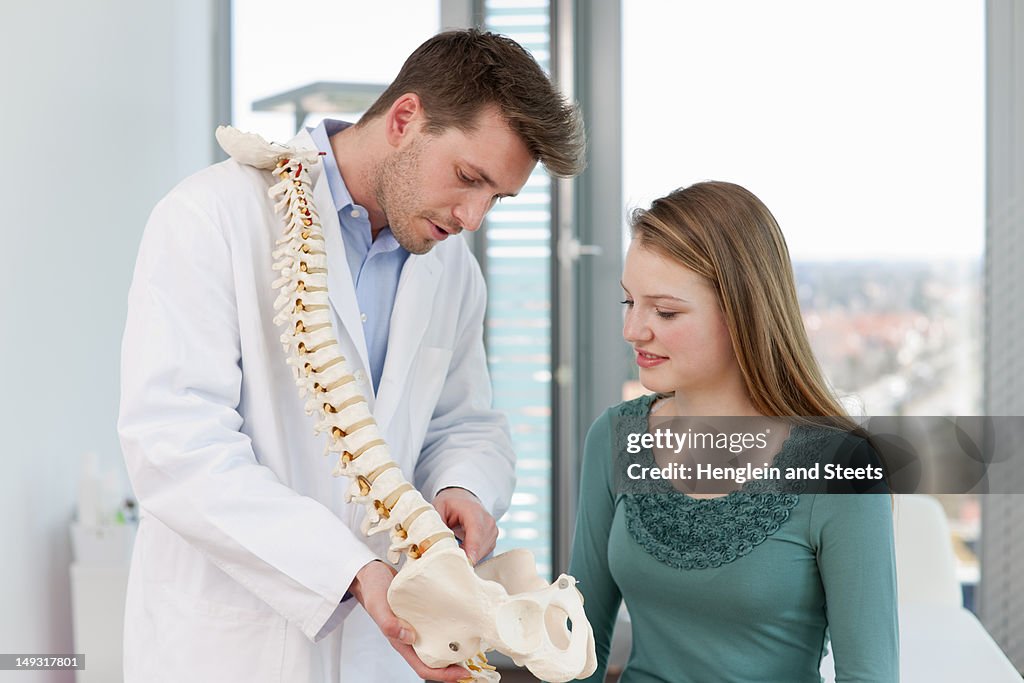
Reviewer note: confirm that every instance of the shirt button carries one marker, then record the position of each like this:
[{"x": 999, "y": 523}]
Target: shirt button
[
  {"x": 362, "y": 317},
  {"x": 358, "y": 375},
  {"x": 355, "y": 213}
]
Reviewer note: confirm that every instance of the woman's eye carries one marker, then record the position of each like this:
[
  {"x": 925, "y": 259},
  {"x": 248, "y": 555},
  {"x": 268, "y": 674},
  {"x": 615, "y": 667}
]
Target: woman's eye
[
  {"x": 627, "y": 302},
  {"x": 666, "y": 315}
]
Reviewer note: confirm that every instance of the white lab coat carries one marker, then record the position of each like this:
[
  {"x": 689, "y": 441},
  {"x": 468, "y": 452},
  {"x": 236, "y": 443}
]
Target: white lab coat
[{"x": 245, "y": 544}]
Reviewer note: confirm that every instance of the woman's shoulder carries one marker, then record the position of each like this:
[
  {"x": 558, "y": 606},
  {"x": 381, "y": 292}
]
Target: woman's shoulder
[
  {"x": 637, "y": 407},
  {"x": 611, "y": 430},
  {"x": 629, "y": 415},
  {"x": 837, "y": 460},
  {"x": 829, "y": 443}
]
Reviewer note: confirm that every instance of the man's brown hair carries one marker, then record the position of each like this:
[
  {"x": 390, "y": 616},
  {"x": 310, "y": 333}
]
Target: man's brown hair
[{"x": 457, "y": 74}]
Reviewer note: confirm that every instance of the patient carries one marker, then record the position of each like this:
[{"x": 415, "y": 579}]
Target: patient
[{"x": 749, "y": 582}]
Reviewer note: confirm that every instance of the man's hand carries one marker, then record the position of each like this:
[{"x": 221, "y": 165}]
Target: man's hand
[
  {"x": 472, "y": 524},
  {"x": 370, "y": 588}
]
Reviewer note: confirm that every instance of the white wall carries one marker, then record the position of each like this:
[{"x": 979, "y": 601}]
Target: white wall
[{"x": 105, "y": 106}]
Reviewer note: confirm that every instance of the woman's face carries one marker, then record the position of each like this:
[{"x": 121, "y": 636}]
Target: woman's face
[{"x": 676, "y": 327}]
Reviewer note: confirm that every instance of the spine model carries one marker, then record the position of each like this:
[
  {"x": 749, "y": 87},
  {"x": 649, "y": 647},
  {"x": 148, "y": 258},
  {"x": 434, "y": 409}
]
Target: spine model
[{"x": 328, "y": 383}]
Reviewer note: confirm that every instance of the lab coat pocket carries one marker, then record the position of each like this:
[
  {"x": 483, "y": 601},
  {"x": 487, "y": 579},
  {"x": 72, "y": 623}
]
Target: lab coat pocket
[{"x": 205, "y": 641}]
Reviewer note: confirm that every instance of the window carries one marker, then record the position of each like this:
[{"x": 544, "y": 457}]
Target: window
[
  {"x": 861, "y": 126},
  {"x": 517, "y": 267},
  {"x": 318, "y": 53}
]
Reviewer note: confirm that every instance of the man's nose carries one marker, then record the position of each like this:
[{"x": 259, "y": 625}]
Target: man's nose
[{"x": 470, "y": 213}]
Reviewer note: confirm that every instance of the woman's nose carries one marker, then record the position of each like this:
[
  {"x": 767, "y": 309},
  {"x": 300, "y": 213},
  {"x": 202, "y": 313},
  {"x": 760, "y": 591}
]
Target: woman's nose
[{"x": 634, "y": 328}]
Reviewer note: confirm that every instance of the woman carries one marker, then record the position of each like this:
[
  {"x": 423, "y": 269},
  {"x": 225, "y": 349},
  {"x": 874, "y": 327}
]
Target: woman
[{"x": 747, "y": 583}]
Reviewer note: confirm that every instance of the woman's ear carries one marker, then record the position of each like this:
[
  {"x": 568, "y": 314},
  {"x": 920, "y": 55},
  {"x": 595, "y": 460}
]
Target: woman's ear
[{"x": 404, "y": 117}]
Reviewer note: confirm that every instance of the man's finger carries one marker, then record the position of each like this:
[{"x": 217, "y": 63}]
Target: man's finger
[
  {"x": 474, "y": 548},
  {"x": 406, "y": 633},
  {"x": 471, "y": 539},
  {"x": 479, "y": 548},
  {"x": 480, "y": 538}
]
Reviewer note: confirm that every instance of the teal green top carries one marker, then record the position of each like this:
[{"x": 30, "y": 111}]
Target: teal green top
[{"x": 747, "y": 587}]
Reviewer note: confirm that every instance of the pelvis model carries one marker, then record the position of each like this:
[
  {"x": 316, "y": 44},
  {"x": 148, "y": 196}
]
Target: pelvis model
[{"x": 459, "y": 612}]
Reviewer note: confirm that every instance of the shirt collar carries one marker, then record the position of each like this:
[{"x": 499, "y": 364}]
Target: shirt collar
[{"x": 343, "y": 202}]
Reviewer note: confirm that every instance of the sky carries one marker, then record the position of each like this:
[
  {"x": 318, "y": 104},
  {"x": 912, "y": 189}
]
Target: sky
[{"x": 859, "y": 124}]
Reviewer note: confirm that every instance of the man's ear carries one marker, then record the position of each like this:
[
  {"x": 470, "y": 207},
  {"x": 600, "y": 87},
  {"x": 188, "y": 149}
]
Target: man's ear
[{"x": 404, "y": 116}]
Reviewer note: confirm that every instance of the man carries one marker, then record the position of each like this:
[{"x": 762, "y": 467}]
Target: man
[{"x": 248, "y": 565}]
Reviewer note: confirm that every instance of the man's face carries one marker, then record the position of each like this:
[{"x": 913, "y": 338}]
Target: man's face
[{"x": 434, "y": 186}]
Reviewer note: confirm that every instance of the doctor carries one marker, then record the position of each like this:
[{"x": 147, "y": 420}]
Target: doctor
[{"x": 248, "y": 565}]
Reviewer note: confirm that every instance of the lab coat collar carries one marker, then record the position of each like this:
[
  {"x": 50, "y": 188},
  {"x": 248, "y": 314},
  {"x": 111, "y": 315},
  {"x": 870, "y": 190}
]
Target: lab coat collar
[{"x": 414, "y": 304}]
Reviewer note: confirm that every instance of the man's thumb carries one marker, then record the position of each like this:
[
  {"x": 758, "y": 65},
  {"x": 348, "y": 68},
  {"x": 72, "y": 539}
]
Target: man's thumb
[{"x": 400, "y": 630}]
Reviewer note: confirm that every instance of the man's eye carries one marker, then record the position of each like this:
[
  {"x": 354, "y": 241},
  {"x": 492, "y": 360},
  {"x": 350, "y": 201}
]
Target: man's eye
[{"x": 465, "y": 178}]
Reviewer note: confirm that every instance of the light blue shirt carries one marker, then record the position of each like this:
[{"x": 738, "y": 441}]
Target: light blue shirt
[{"x": 375, "y": 264}]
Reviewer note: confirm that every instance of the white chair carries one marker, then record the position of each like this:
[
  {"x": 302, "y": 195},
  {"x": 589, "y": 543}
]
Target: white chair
[
  {"x": 925, "y": 563},
  {"x": 940, "y": 641}
]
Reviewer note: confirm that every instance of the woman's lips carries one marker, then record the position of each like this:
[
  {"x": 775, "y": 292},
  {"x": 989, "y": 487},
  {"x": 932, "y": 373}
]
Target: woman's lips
[{"x": 649, "y": 360}]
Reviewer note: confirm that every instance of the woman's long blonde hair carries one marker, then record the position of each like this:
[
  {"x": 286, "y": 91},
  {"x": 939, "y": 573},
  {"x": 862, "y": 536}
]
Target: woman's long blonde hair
[{"x": 724, "y": 233}]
